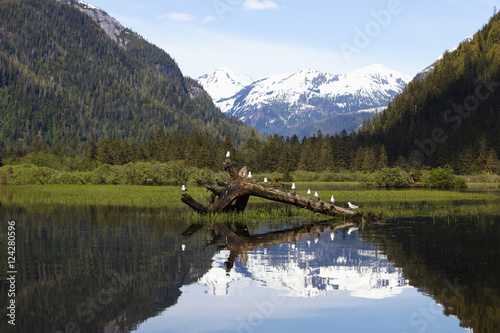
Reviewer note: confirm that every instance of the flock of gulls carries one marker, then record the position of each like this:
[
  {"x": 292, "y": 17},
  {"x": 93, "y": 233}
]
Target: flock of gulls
[{"x": 266, "y": 181}]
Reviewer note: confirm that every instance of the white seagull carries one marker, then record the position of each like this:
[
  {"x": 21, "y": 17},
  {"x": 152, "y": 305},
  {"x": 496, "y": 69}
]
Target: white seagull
[
  {"x": 351, "y": 230},
  {"x": 265, "y": 180},
  {"x": 332, "y": 199},
  {"x": 249, "y": 175},
  {"x": 309, "y": 192},
  {"x": 316, "y": 195},
  {"x": 183, "y": 188},
  {"x": 352, "y": 206},
  {"x": 293, "y": 186},
  {"x": 228, "y": 154}
]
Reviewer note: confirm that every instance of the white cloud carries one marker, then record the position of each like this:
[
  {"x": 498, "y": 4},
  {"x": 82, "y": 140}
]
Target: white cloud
[
  {"x": 209, "y": 19},
  {"x": 179, "y": 17},
  {"x": 259, "y": 4}
]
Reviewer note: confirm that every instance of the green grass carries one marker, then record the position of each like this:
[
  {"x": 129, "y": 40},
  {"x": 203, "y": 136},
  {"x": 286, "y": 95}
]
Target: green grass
[
  {"x": 100, "y": 195},
  {"x": 394, "y": 203}
]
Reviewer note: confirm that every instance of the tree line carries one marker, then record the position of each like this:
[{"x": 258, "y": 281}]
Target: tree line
[{"x": 319, "y": 153}]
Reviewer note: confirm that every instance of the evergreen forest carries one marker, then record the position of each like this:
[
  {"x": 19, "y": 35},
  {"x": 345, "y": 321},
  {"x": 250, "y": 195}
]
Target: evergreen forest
[
  {"x": 62, "y": 78},
  {"x": 72, "y": 100}
]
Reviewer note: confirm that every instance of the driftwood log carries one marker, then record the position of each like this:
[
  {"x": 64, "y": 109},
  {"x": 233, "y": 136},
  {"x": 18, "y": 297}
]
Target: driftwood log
[{"x": 237, "y": 190}]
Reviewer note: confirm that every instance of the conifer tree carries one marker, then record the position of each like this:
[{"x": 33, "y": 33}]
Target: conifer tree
[
  {"x": 492, "y": 163},
  {"x": 383, "y": 160}
]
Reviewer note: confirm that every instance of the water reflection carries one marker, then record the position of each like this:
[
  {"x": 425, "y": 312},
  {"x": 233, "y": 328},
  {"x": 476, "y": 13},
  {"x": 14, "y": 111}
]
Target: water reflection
[
  {"x": 111, "y": 269},
  {"x": 306, "y": 261}
]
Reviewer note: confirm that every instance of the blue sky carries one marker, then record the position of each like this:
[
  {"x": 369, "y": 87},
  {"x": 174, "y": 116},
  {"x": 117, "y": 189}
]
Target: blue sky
[{"x": 266, "y": 37}]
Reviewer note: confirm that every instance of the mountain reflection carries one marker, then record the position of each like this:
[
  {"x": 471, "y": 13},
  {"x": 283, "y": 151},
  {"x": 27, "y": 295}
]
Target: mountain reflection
[
  {"x": 107, "y": 269},
  {"x": 305, "y": 261}
]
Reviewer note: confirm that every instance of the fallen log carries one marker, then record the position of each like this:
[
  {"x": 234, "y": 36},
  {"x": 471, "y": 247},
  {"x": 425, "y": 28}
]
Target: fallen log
[{"x": 237, "y": 190}]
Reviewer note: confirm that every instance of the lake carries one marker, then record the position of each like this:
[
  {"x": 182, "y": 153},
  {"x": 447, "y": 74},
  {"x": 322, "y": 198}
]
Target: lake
[{"x": 92, "y": 268}]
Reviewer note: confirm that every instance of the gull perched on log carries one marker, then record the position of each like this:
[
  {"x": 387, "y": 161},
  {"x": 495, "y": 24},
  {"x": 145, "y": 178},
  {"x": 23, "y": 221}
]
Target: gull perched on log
[
  {"x": 249, "y": 175},
  {"x": 228, "y": 154},
  {"x": 316, "y": 195},
  {"x": 352, "y": 206},
  {"x": 293, "y": 186},
  {"x": 309, "y": 192},
  {"x": 183, "y": 188},
  {"x": 265, "y": 180},
  {"x": 332, "y": 199}
]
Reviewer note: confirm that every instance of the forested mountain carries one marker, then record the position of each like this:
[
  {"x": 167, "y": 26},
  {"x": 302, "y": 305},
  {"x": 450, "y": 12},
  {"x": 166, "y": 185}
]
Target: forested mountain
[
  {"x": 452, "y": 115},
  {"x": 63, "y": 77}
]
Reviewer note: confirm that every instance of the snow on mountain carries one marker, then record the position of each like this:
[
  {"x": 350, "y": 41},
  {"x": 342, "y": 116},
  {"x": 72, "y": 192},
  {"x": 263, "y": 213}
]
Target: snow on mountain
[
  {"x": 286, "y": 103},
  {"x": 222, "y": 83},
  {"x": 298, "y": 271}
]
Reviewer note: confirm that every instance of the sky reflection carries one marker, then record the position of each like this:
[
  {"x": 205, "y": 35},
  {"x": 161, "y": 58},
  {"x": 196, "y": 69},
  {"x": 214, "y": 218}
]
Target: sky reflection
[{"x": 332, "y": 282}]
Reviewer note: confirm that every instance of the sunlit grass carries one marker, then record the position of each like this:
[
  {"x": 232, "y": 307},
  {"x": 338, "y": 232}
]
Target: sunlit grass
[
  {"x": 393, "y": 203},
  {"x": 99, "y": 195}
]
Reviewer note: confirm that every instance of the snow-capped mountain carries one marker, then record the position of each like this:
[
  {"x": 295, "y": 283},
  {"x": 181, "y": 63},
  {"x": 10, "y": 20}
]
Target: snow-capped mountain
[
  {"x": 311, "y": 269},
  {"x": 291, "y": 103},
  {"x": 223, "y": 83}
]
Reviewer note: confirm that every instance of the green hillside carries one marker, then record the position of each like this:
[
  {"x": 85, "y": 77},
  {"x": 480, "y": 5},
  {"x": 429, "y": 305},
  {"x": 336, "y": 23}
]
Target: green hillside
[
  {"x": 62, "y": 77},
  {"x": 450, "y": 117}
]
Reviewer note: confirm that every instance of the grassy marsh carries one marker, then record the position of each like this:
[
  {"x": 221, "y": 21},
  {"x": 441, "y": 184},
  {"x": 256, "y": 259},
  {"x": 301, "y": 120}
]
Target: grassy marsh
[{"x": 394, "y": 203}]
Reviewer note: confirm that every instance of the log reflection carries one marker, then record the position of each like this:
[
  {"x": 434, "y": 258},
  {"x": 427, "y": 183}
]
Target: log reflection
[{"x": 238, "y": 241}]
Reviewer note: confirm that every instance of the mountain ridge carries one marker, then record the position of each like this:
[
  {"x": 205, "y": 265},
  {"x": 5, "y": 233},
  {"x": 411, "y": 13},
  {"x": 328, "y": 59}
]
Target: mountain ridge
[
  {"x": 286, "y": 104},
  {"x": 63, "y": 77}
]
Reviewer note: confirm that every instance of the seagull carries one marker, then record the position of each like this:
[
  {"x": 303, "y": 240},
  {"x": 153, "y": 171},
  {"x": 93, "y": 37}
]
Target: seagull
[
  {"x": 332, "y": 199},
  {"x": 249, "y": 175},
  {"x": 309, "y": 192},
  {"x": 265, "y": 180},
  {"x": 316, "y": 195},
  {"x": 228, "y": 154},
  {"x": 293, "y": 186},
  {"x": 351, "y": 230},
  {"x": 183, "y": 188},
  {"x": 183, "y": 247},
  {"x": 352, "y": 206}
]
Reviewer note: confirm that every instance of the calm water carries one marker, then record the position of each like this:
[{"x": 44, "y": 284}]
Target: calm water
[{"x": 109, "y": 269}]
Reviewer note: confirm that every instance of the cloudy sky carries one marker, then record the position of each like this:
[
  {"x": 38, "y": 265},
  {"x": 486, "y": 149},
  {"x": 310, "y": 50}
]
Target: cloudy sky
[{"x": 265, "y": 37}]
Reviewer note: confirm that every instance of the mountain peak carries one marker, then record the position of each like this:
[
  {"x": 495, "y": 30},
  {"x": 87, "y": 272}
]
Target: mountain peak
[
  {"x": 110, "y": 25},
  {"x": 285, "y": 104},
  {"x": 374, "y": 68},
  {"x": 222, "y": 83}
]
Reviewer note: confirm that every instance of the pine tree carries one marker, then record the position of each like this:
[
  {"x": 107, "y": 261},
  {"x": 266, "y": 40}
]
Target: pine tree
[
  {"x": 383, "y": 160},
  {"x": 492, "y": 163},
  {"x": 370, "y": 160},
  {"x": 482, "y": 159}
]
